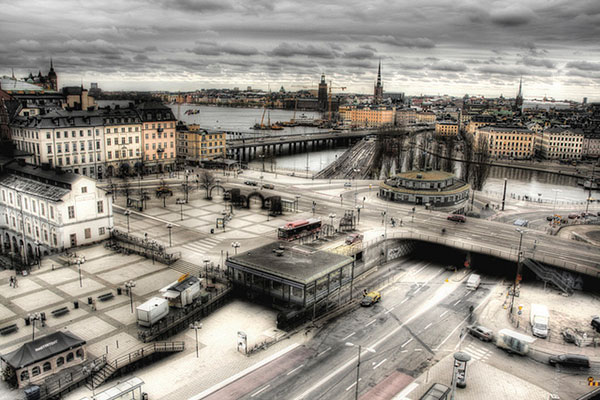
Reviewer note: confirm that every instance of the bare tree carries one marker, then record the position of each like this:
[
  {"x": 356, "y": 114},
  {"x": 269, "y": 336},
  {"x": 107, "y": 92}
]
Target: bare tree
[
  {"x": 437, "y": 155},
  {"x": 467, "y": 156},
  {"x": 481, "y": 166},
  {"x": 207, "y": 181},
  {"x": 448, "y": 163},
  {"x": 411, "y": 155}
]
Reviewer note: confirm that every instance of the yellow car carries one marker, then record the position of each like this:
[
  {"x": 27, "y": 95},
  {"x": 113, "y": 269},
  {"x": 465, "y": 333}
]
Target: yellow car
[{"x": 370, "y": 298}]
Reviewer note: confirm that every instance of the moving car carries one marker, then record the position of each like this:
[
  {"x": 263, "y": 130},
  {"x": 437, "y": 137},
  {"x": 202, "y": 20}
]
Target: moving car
[
  {"x": 573, "y": 216},
  {"x": 268, "y": 186},
  {"x": 473, "y": 282},
  {"x": 570, "y": 360},
  {"x": 354, "y": 238},
  {"x": 457, "y": 218},
  {"x": 370, "y": 299},
  {"x": 250, "y": 183},
  {"x": 481, "y": 332},
  {"x": 347, "y": 184}
]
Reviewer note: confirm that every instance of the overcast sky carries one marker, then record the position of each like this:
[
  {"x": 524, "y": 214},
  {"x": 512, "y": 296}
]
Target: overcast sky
[{"x": 430, "y": 47}]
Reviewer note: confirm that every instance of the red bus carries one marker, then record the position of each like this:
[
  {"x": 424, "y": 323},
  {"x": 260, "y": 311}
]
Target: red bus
[{"x": 294, "y": 230}]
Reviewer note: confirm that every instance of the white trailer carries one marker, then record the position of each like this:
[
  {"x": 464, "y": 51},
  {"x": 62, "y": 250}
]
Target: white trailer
[
  {"x": 152, "y": 311},
  {"x": 539, "y": 317}
]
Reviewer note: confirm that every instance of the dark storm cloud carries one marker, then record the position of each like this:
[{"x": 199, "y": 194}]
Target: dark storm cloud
[{"x": 472, "y": 45}]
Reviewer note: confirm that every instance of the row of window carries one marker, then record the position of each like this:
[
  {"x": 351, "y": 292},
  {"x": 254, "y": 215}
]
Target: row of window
[
  {"x": 159, "y": 134},
  {"x": 160, "y": 156},
  {"x": 116, "y": 141},
  {"x": 47, "y": 366},
  {"x": 77, "y": 160},
  {"x": 129, "y": 129},
  {"x": 72, "y": 146},
  {"x": 13, "y": 224},
  {"x": 122, "y": 154},
  {"x": 29, "y": 205}
]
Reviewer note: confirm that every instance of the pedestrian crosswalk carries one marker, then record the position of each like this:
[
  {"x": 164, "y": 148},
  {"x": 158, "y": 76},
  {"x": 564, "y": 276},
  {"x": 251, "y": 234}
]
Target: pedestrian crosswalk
[
  {"x": 478, "y": 352},
  {"x": 201, "y": 246}
]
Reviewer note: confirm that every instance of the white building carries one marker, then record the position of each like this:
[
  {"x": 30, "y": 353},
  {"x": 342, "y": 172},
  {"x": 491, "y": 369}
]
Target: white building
[
  {"x": 44, "y": 210},
  {"x": 560, "y": 143},
  {"x": 591, "y": 146}
]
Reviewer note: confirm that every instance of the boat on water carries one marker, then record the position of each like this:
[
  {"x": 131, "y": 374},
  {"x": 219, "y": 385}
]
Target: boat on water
[{"x": 192, "y": 112}]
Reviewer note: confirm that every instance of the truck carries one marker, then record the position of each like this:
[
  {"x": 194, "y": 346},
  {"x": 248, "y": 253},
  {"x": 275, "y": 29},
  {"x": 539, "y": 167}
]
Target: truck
[
  {"x": 152, "y": 311},
  {"x": 539, "y": 319},
  {"x": 473, "y": 282}
]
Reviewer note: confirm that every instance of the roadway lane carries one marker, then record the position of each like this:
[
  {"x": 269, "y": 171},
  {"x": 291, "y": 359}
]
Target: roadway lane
[{"x": 418, "y": 313}]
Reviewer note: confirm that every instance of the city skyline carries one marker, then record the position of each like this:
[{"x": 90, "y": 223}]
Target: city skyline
[{"x": 435, "y": 48}]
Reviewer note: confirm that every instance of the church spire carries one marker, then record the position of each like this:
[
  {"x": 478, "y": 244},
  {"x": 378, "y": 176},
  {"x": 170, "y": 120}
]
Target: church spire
[
  {"x": 520, "y": 94},
  {"x": 378, "y": 93},
  {"x": 379, "y": 74}
]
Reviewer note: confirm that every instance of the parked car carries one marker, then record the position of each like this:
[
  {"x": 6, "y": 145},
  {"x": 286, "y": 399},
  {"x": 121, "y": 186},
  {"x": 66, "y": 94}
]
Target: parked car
[
  {"x": 437, "y": 391},
  {"x": 569, "y": 335},
  {"x": 268, "y": 186},
  {"x": 481, "y": 332},
  {"x": 596, "y": 323},
  {"x": 573, "y": 216},
  {"x": 348, "y": 185},
  {"x": 570, "y": 360},
  {"x": 370, "y": 299},
  {"x": 457, "y": 218},
  {"x": 354, "y": 238},
  {"x": 250, "y": 183}
]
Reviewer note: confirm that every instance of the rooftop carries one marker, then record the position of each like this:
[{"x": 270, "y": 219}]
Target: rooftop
[
  {"x": 42, "y": 348},
  {"x": 297, "y": 263},
  {"x": 425, "y": 175}
]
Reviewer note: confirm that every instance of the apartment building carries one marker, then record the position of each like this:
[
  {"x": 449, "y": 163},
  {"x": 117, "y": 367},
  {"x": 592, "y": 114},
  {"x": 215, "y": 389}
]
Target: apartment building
[
  {"x": 560, "y": 143},
  {"x": 368, "y": 116},
  {"x": 507, "y": 142},
  {"x": 196, "y": 145},
  {"x": 446, "y": 128},
  {"x": 591, "y": 145},
  {"x": 158, "y": 137},
  {"x": 122, "y": 141},
  {"x": 46, "y": 210}
]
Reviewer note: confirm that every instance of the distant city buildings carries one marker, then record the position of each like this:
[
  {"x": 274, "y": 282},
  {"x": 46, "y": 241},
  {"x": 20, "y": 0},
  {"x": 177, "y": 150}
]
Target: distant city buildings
[{"x": 511, "y": 142}]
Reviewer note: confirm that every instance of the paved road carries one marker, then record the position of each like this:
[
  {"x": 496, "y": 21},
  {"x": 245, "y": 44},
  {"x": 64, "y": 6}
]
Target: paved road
[{"x": 418, "y": 316}]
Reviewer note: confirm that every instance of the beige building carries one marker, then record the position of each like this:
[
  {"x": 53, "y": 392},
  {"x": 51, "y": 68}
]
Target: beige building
[
  {"x": 367, "y": 116},
  {"x": 78, "y": 98},
  {"x": 507, "y": 142},
  {"x": 560, "y": 143},
  {"x": 158, "y": 137},
  {"x": 406, "y": 116},
  {"x": 196, "y": 145},
  {"x": 122, "y": 141},
  {"x": 591, "y": 146},
  {"x": 446, "y": 128},
  {"x": 478, "y": 121},
  {"x": 426, "y": 117}
]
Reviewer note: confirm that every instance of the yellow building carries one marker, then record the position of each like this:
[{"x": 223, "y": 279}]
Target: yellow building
[
  {"x": 367, "y": 116},
  {"x": 158, "y": 137},
  {"x": 196, "y": 145},
  {"x": 560, "y": 143},
  {"x": 122, "y": 141},
  {"x": 478, "y": 121},
  {"x": 446, "y": 128},
  {"x": 426, "y": 117},
  {"x": 507, "y": 142}
]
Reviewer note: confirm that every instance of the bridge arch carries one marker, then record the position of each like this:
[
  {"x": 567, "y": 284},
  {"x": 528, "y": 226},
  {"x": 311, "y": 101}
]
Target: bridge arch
[
  {"x": 255, "y": 194},
  {"x": 210, "y": 195}
]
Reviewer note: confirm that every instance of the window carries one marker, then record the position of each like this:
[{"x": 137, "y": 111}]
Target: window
[
  {"x": 47, "y": 366},
  {"x": 70, "y": 357},
  {"x": 82, "y": 146},
  {"x": 35, "y": 371},
  {"x": 24, "y": 376},
  {"x": 71, "y": 212},
  {"x": 101, "y": 231},
  {"x": 49, "y": 149},
  {"x": 84, "y": 189},
  {"x": 109, "y": 155},
  {"x": 108, "y": 131},
  {"x": 79, "y": 353},
  {"x": 108, "y": 141},
  {"x": 100, "y": 207},
  {"x": 59, "y": 148},
  {"x": 137, "y": 139},
  {"x": 88, "y": 233}
]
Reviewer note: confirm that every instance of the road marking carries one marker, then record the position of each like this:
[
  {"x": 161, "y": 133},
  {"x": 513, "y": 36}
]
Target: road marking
[
  {"x": 390, "y": 310},
  {"x": 418, "y": 350},
  {"x": 404, "y": 301},
  {"x": 444, "y": 313},
  {"x": 349, "y": 336},
  {"x": 458, "y": 302},
  {"x": 407, "y": 342},
  {"x": 351, "y": 386},
  {"x": 260, "y": 391},
  {"x": 323, "y": 352},
  {"x": 372, "y": 322},
  {"x": 419, "y": 270},
  {"x": 404, "y": 351},
  {"x": 431, "y": 323},
  {"x": 295, "y": 369},
  {"x": 379, "y": 364},
  {"x": 417, "y": 291}
]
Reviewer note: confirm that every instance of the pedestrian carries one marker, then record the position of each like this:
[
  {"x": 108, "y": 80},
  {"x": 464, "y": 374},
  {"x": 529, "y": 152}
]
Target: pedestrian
[
  {"x": 15, "y": 283},
  {"x": 400, "y": 221},
  {"x": 10, "y": 281}
]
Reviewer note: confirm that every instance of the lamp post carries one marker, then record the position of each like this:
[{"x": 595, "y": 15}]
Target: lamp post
[
  {"x": 181, "y": 202},
  {"x": 39, "y": 255},
  {"x": 518, "y": 276},
  {"x": 32, "y": 318},
  {"x": 127, "y": 213},
  {"x": 130, "y": 285},
  {"x": 235, "y": 246},
  {"x": 195, "y": 326},
  {"x": 358, "y": 207},
  {"x": 169, "y": 227},
  {"x": 356, "y": 170},
  {"x": 79, "y": 262},
  {"x": 555, "y": 195},
  {"x": 358, "y": 365},
  {"x": 206, "y": 262},
  {"x": 332, "y": 217}
]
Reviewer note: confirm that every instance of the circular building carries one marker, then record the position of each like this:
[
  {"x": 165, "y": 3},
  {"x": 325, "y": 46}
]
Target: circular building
[{"x": 436, "y": 188}]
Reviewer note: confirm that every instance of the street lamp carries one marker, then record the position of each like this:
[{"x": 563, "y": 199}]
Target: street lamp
[
  {"x": 39, "y": 255},
  {"x": 356, "y": 170},
  {"x": 517, "y": 277},
  {"x": 358, "y": 207},
  {"x": 358, "y": 365},
  {"x": 129, "y": 285},
  {"x": 169, "y": 227},
  {"x": 195, "y": 326},
  {"x": 555, "y": 195},
  {"x": 127, "y": 213},
  {"x": 206, "y": 262},
  {"x": 235, "y": 246},
  {"x": 32, "y": 318},
  {"x": 181, "y": 202},
  {"x": 80, "y": 260}
]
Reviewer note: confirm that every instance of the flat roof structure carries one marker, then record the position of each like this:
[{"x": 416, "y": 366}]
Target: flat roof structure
[{"x": 296, "y": 262}]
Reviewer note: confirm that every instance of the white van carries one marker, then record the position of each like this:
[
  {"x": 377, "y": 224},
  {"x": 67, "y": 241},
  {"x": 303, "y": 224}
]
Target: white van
[
  {"x": 473, "y": 282},
  {"x": 539, "y": 317}
]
